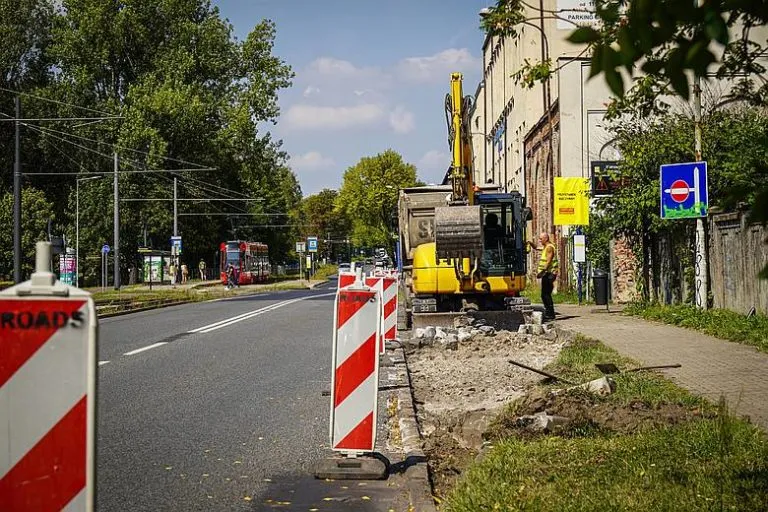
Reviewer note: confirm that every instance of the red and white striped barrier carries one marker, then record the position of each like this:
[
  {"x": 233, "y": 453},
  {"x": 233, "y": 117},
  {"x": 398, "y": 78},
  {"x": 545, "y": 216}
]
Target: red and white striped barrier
[
  {"x": 355, "y": 376},
  {"x": 47, "y": 396},
  {"x": 387, "y": 286},
  {"x": 346, "y": 279}
]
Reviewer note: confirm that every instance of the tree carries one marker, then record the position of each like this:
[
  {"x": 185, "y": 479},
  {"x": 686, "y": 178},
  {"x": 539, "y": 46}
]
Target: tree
[
  {"x": 735, "y": 175},
  {"x": 36, "y": 212},
  {"x": 318, "y": 216},
  {"x": 189, "y": 95},
  {"x": 368, "y": 196}
]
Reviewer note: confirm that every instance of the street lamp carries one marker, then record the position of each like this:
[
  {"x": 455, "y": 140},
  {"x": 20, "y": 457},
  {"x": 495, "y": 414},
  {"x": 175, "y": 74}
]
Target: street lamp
[{"x": 77, "y": 226}]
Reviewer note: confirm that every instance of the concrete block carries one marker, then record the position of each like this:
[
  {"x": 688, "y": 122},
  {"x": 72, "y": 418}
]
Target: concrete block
[{"x": 348, "y": 468}]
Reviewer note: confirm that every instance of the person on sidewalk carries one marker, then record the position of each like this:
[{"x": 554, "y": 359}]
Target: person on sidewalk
[
  {"x": 547, "y": 271},
  {"x": 201, "y": 268},
  {"x": 184, "y": 273}
]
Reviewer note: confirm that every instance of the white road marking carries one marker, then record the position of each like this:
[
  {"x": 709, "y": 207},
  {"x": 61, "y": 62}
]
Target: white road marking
[
  {"x": 148, "y": 347},
  {"x": 251, "y": 314},
  {"x": 102, "y": 363}
]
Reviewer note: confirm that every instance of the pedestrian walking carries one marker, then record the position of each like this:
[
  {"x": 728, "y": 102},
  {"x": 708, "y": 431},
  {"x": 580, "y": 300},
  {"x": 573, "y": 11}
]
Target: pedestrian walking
[
  {"x": 172, "y": 273},
  {"x": 201, "y": 268},
  {"x": 230, "y": 277},
  {"x": 547, "y": 271},
  {"x": 184, "y": 273}
]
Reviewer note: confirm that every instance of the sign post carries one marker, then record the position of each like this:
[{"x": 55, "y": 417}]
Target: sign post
[
  {"x": 48, "y": 364},
  {"x": 579, "y": 256},
  {"x": 104, "y": 256},
  {"x": 312, "y": 243},
  {"x": 685, "y": 195}
]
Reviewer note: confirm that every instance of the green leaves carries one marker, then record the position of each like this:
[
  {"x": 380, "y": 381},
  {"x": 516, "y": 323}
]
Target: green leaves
[
  {"x": 369, "y": 195},
  {"x": 584, "y": 35}
]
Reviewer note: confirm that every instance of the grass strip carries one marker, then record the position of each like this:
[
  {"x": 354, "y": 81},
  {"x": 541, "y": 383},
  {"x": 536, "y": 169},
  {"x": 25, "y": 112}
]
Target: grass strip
[
  {"x": 649, "y": 446},
  {"x": 721, "y": 323}
]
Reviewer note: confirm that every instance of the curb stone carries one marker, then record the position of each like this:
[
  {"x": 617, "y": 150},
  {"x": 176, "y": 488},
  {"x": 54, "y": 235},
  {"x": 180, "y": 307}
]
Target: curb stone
[{"x": 417, "y": 474}]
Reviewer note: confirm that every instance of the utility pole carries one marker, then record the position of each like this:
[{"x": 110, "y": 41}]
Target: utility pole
[
  {"x": 175, "y": 208},
  {"x": 701, "y": 283},
  {"x": 117, "y": 228},
  {"x": 17, "y": 198}
]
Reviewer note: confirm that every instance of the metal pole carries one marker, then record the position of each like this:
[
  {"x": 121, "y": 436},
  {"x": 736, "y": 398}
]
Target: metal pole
[
  {"x": 117, "y": 228},
  {"x": 701, "y": 283},
  {"x": 77, "y": 233},
  {"x": 175, "y": 208},
  {"x": 17, "y": 198}
]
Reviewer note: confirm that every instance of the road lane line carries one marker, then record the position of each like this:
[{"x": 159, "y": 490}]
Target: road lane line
[
  {"x": 148, "y": 347},
  {"x": 246, "y": 316},
  {"x": 102, "y": 363}
]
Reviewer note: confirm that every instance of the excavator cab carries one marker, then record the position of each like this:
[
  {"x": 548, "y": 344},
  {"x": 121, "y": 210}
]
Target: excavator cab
[{"x": 503, "y": 234}]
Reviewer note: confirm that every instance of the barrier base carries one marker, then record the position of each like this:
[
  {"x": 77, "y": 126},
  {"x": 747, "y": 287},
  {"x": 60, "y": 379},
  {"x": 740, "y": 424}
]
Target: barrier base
[{"x": 348, "y": 468}]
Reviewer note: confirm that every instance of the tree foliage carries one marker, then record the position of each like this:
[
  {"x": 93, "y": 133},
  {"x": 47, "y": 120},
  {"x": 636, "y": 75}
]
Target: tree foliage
[
  {"x": 188, "y": 95},
  {"x": 734, "y": 146},
  {"x": 369, "y": 195},
  {"x": 37, "y": 211},
  {"x": 319, "y": 217}
]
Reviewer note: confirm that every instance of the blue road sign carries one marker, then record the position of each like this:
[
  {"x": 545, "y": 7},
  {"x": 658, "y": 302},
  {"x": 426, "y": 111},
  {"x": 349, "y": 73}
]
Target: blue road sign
[
  {"x": 176, "y": 242},
  {"x": 105, "y": 248},
  {"x": 311, "y": 244},
  {"x": 684, "y": 190}
]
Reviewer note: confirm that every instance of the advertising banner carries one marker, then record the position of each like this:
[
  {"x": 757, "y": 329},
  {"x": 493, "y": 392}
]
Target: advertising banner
[{"x": 572, "y": 201}]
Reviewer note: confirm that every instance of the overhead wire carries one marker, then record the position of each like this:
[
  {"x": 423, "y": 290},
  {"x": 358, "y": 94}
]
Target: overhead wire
[{"x": 63, "y": 103}]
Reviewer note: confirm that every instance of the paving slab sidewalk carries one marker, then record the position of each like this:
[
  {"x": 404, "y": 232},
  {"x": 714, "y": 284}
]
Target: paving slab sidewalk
[{"x": 711, "y": 367}]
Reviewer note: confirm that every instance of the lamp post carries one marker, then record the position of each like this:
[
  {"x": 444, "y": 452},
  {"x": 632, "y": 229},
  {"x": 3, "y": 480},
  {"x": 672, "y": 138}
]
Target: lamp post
[{"x": 77, "y": 226}]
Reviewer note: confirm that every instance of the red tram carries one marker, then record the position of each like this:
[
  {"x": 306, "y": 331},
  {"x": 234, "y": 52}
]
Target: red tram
[{"x": 250, "y": 259}]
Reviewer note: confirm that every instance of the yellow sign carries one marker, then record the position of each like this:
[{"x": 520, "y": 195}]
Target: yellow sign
[{"x": 571, "y": 202}]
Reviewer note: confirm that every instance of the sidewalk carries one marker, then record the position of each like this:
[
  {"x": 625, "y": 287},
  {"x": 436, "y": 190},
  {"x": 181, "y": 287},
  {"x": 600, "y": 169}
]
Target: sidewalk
[{"x": 710, "y": 366}]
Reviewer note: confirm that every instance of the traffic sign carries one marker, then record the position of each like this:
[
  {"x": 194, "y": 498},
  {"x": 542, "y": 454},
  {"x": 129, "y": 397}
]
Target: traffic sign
[
  {"x": 105, "y": 249},
  {"x": 176, "y": 244},
  {"x": 301, "y": 247},
  {"x": 312, "y": 243},
  {"x": 684, "y": 193}
]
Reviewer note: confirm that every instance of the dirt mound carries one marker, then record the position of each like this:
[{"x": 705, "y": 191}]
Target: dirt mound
[{"x": 586, "y": 413}]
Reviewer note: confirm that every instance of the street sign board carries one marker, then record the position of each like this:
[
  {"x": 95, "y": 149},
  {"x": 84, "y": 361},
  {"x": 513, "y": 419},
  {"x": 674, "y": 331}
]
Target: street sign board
[
  {"x": 105, "y": 249},
  {"x": 176, "y": 244},
  {"x": 579, "y": 249},
  {"x": 301, "y": 247},
  {"x": 312, "y": 243},
  {"x": 683, "y": 188},
  {"x": 606, "y": 178}
]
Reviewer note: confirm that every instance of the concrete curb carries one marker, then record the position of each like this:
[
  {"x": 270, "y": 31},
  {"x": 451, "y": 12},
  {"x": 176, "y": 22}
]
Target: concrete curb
[{"x": 417, "y": 474}]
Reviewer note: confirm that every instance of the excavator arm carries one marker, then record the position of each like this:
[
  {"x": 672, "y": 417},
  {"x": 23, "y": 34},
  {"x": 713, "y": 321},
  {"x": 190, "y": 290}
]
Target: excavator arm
[{"x": 458, "y": 224}]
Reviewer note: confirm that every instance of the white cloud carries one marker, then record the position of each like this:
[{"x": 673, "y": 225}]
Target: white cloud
[
  {"x": 310, "y": 117},
  {"x": 438, "y": 66},
  {"x": 311, "y": 90},
  {"x": 311, "y": 161},
  {"x": 401, "y": 120},
  {"x": 434, "y": 160}
]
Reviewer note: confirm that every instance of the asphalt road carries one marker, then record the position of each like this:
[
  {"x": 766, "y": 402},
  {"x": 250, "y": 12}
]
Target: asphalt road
[{"x": 204, "y": 406}]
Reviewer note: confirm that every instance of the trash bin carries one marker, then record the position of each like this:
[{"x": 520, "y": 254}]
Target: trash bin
[{"x": 600, "y": 282}]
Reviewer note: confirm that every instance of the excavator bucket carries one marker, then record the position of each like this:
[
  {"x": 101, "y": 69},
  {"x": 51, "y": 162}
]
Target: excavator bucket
[{"x": 458, "y": 232}]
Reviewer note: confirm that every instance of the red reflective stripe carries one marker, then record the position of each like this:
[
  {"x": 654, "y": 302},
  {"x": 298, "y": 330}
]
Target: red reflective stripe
[
  {"x": 346, "y": 280},
  {"x": 354, "y": 370},
  {"x": 388, "y": 281},
  {"x": 360, "y": 437},
  {"x": 19, "y": 344},
  {"x": 390, "y": 306},
  {"x": 391, "y": 334},
  {"x": 350, "y": 302},
  {"x": 53, "y": 471}
]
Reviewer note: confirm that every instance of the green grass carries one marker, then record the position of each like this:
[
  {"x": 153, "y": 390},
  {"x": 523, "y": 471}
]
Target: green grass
[
  {"x": 721, "y": 323},
  {"x": 325, "y": 271},
  {"x": 706, "y": 461}
]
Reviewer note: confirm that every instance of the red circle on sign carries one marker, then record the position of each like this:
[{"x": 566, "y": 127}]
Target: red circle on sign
[{"x": 679, "y": 191}]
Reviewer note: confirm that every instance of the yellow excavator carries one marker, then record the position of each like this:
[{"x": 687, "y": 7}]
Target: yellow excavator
[{"x": 463, "y": 246}]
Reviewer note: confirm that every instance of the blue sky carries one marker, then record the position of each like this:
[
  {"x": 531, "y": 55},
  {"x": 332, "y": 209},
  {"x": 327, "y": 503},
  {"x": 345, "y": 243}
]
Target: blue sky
[{"x": 370, "y": 75}]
